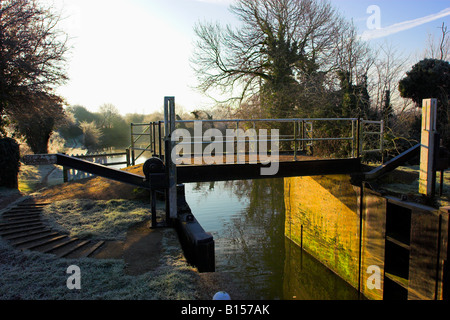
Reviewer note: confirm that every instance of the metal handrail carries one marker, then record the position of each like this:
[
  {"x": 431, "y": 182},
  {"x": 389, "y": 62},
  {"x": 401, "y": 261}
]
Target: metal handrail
[
  {"x": 257, "y": 120},
  {"x": 300, "y": 130}
]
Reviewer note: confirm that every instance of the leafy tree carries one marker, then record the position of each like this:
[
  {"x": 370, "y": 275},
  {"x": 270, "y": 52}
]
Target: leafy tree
[
  {"x": 75, "y": 116},
  {"x": 117, "y": 135},
  {"x": 37, "y": 125},
  {"x": 9, "y": 163},
  {"x": 430, "y": 78},
  {"x": 355, "y": 98},
  {"x": 387, "y": 112},
  {"x": 115, "y": 130},
  {"x": 82, "y": 114},
  {"x": 69, "y": 128},
  {"x": 134, "y": 118},
  {"x": 91, "y": 136}
]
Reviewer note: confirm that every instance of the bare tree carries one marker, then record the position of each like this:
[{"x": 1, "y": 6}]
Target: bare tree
[
  {"x": 439, "y": 48},
  {"x": 32, "y": 55},
  {"x": 388, "y": 69},
  {"x": 352, "y": 55},
  {"x": 280, "y": 45},
  {"x": 108, "y": 113}
]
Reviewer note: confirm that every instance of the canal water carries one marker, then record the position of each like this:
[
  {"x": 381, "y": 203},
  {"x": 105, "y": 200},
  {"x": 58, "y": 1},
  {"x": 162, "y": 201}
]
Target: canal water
[{"x": 247, "y": 220}]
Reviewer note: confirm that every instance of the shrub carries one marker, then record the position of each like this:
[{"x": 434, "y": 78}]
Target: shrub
[{"x": 9, "y": 163}]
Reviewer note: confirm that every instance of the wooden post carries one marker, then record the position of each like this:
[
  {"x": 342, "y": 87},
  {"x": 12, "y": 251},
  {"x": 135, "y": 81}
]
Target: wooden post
[
  {"x": 302, "y": 136},
  {"x": 295, "y": 140},
  {"x": 127, "y": 154},
  {"x": 154, "y": 138},
  {"x": 132, "y": 147},
  {"x": 427, "y": 177},
  {"x": 382, "y": 140},
  {"x": 65, "y": 174},
  {"x": 160, "y": 143},
  {"x": 353, "y": 138},
  {"x": 358, "y": 138},
  {"x": 169, "y": 128}
]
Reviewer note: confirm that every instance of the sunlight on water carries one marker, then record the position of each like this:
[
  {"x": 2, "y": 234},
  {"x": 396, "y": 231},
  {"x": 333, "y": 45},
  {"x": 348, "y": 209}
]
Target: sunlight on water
[{"x": 246, "y": 219}]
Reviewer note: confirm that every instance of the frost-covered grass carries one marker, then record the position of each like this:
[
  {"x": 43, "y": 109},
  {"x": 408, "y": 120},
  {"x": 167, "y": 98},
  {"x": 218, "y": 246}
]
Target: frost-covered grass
[
  {"x": 106, "y": 220},
  {"x": 35, "y": 276},
  {"x": 31, "y": 275}
]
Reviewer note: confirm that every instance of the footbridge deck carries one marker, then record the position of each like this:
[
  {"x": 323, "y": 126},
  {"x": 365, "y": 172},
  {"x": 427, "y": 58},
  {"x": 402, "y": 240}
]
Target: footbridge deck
[{"x": 287, "y": 167}]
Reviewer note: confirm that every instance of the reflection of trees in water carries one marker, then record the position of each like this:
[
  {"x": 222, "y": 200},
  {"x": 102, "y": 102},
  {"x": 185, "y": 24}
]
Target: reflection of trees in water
[
  {"x": 251, "y": 246},
  {"x": 257, "y": 237}
]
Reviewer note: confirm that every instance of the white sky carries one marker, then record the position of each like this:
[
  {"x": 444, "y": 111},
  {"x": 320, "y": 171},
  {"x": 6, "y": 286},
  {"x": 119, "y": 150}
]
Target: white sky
[
  {"x": 125, "y": 56},
  {"x": 132, "y": 53}
]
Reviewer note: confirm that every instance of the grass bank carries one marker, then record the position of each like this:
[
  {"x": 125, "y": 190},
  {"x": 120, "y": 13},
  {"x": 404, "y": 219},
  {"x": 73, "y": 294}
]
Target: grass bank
[
  {"x": 97, "y": 219},
  {"x": 30, "y": 275},
  {"x": 98, "y": 208}
]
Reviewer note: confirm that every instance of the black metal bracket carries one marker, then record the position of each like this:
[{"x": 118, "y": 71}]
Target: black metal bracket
[{"x": 156, "y": 178}]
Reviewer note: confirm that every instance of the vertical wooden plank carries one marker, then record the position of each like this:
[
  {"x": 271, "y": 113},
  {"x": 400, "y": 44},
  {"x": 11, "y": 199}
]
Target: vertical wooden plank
[
  {"x": 169, "y": 126},
  {"x": 382, "y": 140},
  {"x": 295, "y": 140},
  {"x": 426, "y": 181},
  {"x": 132, "y": 147},
  {"x": 444, "y": 289},
  {"x": 373, "y": 239},
  {"x": 424, "y": 253}
]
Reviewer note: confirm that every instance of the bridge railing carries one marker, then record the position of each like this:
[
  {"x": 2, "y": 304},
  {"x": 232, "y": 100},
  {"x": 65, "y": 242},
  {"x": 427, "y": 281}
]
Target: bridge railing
[
  {"x": 106, "y": 159},
  {"x": 372, "y": 137},
  {"x": 324, "y": 137},
  {"x": 146, "y": 138}
]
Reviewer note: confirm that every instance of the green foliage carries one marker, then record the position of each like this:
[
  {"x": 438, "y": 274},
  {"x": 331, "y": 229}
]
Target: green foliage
[
  {"x": 115, "y": 130},
  {"x": 99, "y": 130},
  {"x": 355, "y": 100},
  {"x": 134, "y": 118},
  {"x": 9, "y": 163},
  {"x": 70, "y": 129},
  {"x": 91, "y": 135},
  {"x": 388, "y": 112},
  {"x": 81, "y": 114},
  {"x": 36, "y": 125},
  {"x": 429, "y": 78}
]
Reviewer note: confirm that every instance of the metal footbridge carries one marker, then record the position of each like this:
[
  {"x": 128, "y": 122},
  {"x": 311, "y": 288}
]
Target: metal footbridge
[{"x": 217, "y": 150}]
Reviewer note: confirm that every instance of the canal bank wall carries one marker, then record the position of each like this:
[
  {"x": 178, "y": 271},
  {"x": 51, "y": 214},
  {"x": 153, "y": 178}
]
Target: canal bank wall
[{"x": 385, "y": 247}]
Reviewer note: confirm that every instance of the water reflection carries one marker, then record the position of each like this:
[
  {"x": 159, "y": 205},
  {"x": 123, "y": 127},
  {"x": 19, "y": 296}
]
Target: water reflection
[{"x": 247, "y": 220}]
